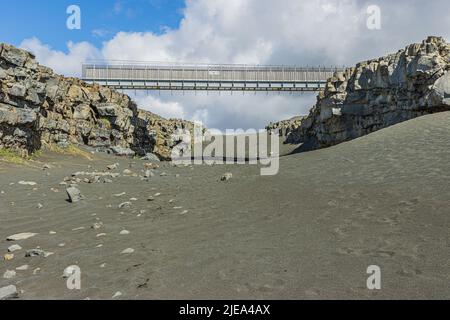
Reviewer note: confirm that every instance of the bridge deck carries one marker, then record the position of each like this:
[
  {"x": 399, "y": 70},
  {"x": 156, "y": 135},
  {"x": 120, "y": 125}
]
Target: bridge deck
[{"x": 123, "y": 75}]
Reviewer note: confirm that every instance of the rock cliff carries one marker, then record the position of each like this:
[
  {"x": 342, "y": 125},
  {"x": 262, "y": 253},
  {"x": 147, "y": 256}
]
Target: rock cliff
[
  {"x": 379, "y": 93},
  {"x": 39, "y": 107}
]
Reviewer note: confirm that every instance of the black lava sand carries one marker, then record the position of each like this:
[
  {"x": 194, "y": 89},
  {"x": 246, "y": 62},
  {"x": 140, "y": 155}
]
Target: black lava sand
[{"x": 309, "y": 232}]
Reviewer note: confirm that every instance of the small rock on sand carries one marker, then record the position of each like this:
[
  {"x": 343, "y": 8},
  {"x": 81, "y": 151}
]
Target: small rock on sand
[
  {"x": 149, "y": 174},
  {"x": 97, "y": 225},
  {"x": 127, "y": 172},
  {"x": 124, "y": 232},
  {"x": 27, "y": 183},
  {"x": 23, "y": 268},
  {"x": 35, "y": 253},
  {"x": 14, "y": 247},
  {"x": 8, "y": 257},
  {"x": 9, "y": 292},
  {"x": 113, "y": 166},
  {"x": 74, "y": 194},
  {"x": 128, "y": 251},
  {"x": 9, "y": 274},
  {"x": 150, "y": 157},
  {"x": 117, "y": 295},
  {"x": 120, "y": 194},
  {"x": 227, "y": 176},
  {"x": 125, "y": 205},
  {"x": 21, "y": 236}
]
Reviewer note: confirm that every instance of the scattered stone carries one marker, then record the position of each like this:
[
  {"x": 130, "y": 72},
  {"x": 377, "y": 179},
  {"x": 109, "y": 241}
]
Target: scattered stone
[
  {"x": 78, "y": 229},
  {"x": 150, "y": 157},
  {"x": 14, "y": 247},
  {"x": 36, "y": 271},
  {"x": 103, "y": 265},
  {"x": 127, "y": 172},
  {"x": 120, "y": 194},
  {"x": 35, "y": 253},
  {"x": 134, "y": 199},
  {"x": 163, "y": 174},
  {"x": 184, "y": 212},
  {"x": 227, "y": 176},
  {"x": 46, "y": 166},
  {"x": 149, "y": 174},
  {"x": 25, "y": 267},
  {"x": 157, "y": 194},
  {"x": 128, "y": 251},
  {"x": 39, "y": 206},
  {"x": 113, "y": 166},
  {"x": 125, "y": 205},
  {"x": 97, "y": 225},
  {"x": 124, "y": 232},
  {"x": 8, "y": 257},
  {"x": 9, "y": 292},
  {"x": 150, "y": 199},
  {"x": 21, "y": 236},
  {"x": 27, "y": 183},
  {"x": 52, "y": 232},
  {"x": 74, "y": 194},
  {"x": 117, "y": 295},
  {"x": 123, "y": 152},
  {"x": 9, "y": 274},
  {"x": 101, "y": 235}
]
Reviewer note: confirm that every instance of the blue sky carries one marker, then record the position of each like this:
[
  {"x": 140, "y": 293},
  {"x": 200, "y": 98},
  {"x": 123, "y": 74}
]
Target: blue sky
[
  {"x": 288, "y": 32},
  {"x": 101, "y": 19}
]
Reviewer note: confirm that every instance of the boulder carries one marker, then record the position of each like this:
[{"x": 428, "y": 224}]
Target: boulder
[
  {"x": 9, "y": 292},
  {"x": 74, "y": 194}
]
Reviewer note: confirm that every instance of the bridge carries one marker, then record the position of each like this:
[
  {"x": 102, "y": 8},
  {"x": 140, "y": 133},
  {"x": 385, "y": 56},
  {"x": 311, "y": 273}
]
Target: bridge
[{"x": 131, "y": 75}]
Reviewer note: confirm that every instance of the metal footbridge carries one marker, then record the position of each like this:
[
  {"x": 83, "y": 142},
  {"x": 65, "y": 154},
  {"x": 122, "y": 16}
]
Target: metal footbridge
[{"x": 131, "y": 75}]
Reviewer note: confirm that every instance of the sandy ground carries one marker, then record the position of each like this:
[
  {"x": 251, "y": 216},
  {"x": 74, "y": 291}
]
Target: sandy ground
[{"x": 309, "y": 232}]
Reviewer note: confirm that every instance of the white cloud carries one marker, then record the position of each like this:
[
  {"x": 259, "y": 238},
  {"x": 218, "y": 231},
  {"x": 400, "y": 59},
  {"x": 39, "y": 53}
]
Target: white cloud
[
  {"x": 63, "y": 63},
  {"x": 315, "y": 32},
  {"x": 166, "y": 109}
]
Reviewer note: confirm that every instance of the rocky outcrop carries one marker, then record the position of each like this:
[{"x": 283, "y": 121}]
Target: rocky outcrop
[
  {"x": 286, "y": 127},
  {"x": 379, "y": 93},
  {"x": 38, "y": 106},
  {"x": 166, "y": 133}
]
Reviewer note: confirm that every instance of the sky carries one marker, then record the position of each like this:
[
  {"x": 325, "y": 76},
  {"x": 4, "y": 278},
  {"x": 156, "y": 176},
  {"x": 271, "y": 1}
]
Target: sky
[{"x": 299, "y": 32}]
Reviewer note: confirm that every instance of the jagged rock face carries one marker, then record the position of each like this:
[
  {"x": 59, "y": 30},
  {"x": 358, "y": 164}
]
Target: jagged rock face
[
  {"x": 287, "y": 127},
  {"x": 165, "y": 133},
  {"x": 37, "y": 105},
  {"x": 379, "y": 93}
]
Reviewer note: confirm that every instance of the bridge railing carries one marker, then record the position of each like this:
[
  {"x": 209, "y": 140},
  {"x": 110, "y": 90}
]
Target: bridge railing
[{"x": 140, "y": 71}]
